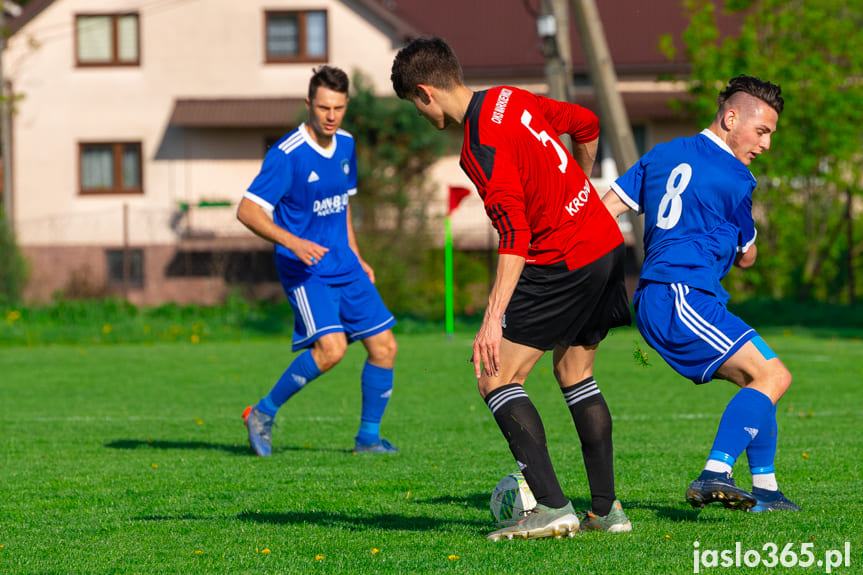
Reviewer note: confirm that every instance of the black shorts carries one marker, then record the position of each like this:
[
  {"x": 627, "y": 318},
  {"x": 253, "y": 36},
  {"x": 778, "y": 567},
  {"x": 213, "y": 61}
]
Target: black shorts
[{"x": 552, "y": 305}]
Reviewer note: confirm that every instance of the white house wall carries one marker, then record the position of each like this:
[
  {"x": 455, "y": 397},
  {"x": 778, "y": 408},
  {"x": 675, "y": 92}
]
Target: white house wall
[{"x": 188, "y": 49}]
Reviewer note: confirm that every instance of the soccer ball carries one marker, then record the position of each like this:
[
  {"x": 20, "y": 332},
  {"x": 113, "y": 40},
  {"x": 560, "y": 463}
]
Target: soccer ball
[{"x": 510, "y": 499}]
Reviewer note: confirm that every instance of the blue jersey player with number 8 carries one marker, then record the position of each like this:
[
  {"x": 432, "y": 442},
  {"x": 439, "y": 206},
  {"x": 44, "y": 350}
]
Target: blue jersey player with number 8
[{"x": 696, "y": 197}]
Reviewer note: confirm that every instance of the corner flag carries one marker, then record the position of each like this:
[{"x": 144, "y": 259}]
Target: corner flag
[{"x": 456, "y": 195}]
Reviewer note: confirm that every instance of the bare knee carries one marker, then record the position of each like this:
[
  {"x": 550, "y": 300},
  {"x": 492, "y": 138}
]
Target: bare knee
[
  {"x": 774, "y": 383},
  {"x": 782, "y": 381},
  {"x": 382, "y": 349},
  {"x": 329, "y": 350}
]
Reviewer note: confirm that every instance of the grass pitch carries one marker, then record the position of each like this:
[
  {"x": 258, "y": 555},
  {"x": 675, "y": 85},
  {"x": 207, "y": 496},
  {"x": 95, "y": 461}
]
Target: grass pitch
[{"x": 133, "y": 459}]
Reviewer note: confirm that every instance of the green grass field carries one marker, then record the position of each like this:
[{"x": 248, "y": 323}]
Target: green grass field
[{"x": 132, "y": 458}]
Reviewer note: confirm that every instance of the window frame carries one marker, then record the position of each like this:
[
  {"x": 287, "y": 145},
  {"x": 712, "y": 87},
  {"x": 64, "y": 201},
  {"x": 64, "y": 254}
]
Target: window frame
[
  {"x": 117, "y": 148},
  {"x": 301, "y": 56},
  {"x": 137, "y": 273},
  {"x": 115, "y": 57}
]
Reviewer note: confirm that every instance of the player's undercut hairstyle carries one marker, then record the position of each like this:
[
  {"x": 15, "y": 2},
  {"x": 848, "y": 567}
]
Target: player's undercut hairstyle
[
  {"x": 425, "y": 60},
  {"x": 765, "y": 91},
  {"x": 329, "y": 77}
]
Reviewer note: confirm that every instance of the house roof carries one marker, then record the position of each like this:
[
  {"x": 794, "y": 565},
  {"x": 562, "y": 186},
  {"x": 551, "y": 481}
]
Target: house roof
[
  {"x": 499, "y": 38},
  {"x": 236, "y": 112},
  {"x": 30, "y": 11},
  {"x": 490, "y": 37}
]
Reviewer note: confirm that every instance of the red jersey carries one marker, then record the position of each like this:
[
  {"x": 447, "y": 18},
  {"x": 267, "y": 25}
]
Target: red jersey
[{"x": 539, "y": 200}]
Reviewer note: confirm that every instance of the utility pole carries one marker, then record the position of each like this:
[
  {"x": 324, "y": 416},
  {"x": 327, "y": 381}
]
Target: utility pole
[
  {"x": 615, "y": 121},
  {"x": 5, "y": 123},
  {"x": 552, "y": 25}
]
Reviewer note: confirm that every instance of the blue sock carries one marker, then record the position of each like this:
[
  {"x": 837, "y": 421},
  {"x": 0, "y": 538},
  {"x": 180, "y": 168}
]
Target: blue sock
[
  {"x": 377, "y": 385},
  {"x": 301, "y": 371},
  {"x": 762, "y": 454},
  {"x": 762, "y": 451},
  {"x": 740, "y": 424}
]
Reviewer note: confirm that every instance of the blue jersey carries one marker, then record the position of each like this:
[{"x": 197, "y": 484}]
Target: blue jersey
[
  {"x": 307, "y": 189},
  {"x": 696, "y": 197}
]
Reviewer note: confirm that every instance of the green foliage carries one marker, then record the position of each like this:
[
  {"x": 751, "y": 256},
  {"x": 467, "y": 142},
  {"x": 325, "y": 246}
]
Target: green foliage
[
  {"x": 812, "y": 173},
  {"x": 395, "y": 149},
  {"x": 111, "y": 321},
  {"x": 13, "y": 266},
  {"x": 133, "y": 459}
]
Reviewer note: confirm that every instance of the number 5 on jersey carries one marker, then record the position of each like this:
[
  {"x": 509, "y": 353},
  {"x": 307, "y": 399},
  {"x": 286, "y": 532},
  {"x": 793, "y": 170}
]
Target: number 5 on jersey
[{"x": 544, "y": 139}]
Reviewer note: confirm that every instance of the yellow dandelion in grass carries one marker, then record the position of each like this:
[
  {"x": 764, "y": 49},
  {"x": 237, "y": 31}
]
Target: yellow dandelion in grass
[
  {"x": 154, "y": 465},
  {"x": 318, "y": 557},
  {"x": 265, "y": 550},
  {"x": 375, "y": 551},
  {"x": 198, "y": 420},
  {"x": 453, "y": 557},
  {"x": 195, "y": 338},
  {"x": 198, "y": 552},
  {"x": 805, "y": 455},
  {"x": 106, "y": 329},
  {"x": 12, "y": 316},
  {"x": 668, "y": 536}
]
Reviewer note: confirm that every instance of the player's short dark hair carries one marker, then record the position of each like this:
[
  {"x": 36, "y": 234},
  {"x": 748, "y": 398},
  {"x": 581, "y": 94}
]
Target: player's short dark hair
[
  {"x": 765, "y": 91},
  {"x": 425, "y": 60},
  {"x": 329, "y": 77}
]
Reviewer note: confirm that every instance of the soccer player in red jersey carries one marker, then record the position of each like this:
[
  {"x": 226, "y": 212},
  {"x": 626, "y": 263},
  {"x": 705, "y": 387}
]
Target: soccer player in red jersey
[{"x": 560, "y": 280}]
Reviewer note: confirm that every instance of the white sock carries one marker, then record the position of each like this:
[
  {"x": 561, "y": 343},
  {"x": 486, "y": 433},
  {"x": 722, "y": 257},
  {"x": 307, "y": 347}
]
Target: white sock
[
  {"x": 718, "y": 466},
  {"x": 765, "y": 481}
]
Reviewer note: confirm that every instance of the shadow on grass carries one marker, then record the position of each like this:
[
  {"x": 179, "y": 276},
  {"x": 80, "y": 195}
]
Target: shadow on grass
[
  {"x": 675, "y": 513},
  {"x": 195, "y": 445},
  {"x": 386, "y": 521},
  {"x": 476, "y": 500},
  {"x": 482, "y": 501}
]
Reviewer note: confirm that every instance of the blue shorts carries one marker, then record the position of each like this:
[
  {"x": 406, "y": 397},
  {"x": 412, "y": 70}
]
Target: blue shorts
[
  {"x": 354, "y": 308},
  {"x": 691, "y": 329}
]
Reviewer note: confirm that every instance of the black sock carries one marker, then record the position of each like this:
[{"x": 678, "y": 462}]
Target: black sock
[
  {"x": 593, "y": 423},
  {"x": 522, "y": 427}
]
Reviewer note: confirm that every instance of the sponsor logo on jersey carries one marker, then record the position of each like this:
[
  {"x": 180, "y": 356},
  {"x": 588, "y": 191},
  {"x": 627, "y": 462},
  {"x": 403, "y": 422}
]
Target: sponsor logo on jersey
[
  {"x": 313, "y": 177},
  {"x": 346, "y": 167},
  {"x": 751, "y": 431},
  {"x": 579, "y": 200},
  {"x": 331, "y": 205},
  {"x": 301, "y": 381},
  {"x": 500, "y": 106}
]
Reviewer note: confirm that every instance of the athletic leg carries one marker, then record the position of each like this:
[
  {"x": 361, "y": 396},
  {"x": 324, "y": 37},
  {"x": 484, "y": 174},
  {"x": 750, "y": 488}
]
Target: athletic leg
[
  {"x": 763, "y": 380},
  {"x": 573, "y": 368},
  {"x": 316, "y": 325},
  {"x": 520, "y": 422},
  {"x": 377, "y": 387}
]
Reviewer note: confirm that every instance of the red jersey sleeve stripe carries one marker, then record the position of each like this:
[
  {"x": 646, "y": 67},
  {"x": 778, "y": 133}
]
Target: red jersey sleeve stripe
[{"x": 503, "y": 225}]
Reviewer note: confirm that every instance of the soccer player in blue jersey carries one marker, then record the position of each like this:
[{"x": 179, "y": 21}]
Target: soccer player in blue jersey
[
  {"x": 300, "y": 202},
  {"x": 696, "y": 196}
]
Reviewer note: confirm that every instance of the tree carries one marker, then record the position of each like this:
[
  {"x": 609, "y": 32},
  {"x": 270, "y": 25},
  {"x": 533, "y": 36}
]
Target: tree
[
  {"x": 810, "y": 180},
  {"x": 13, "y": 266},
  {"x": 395, "y": 149}
]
